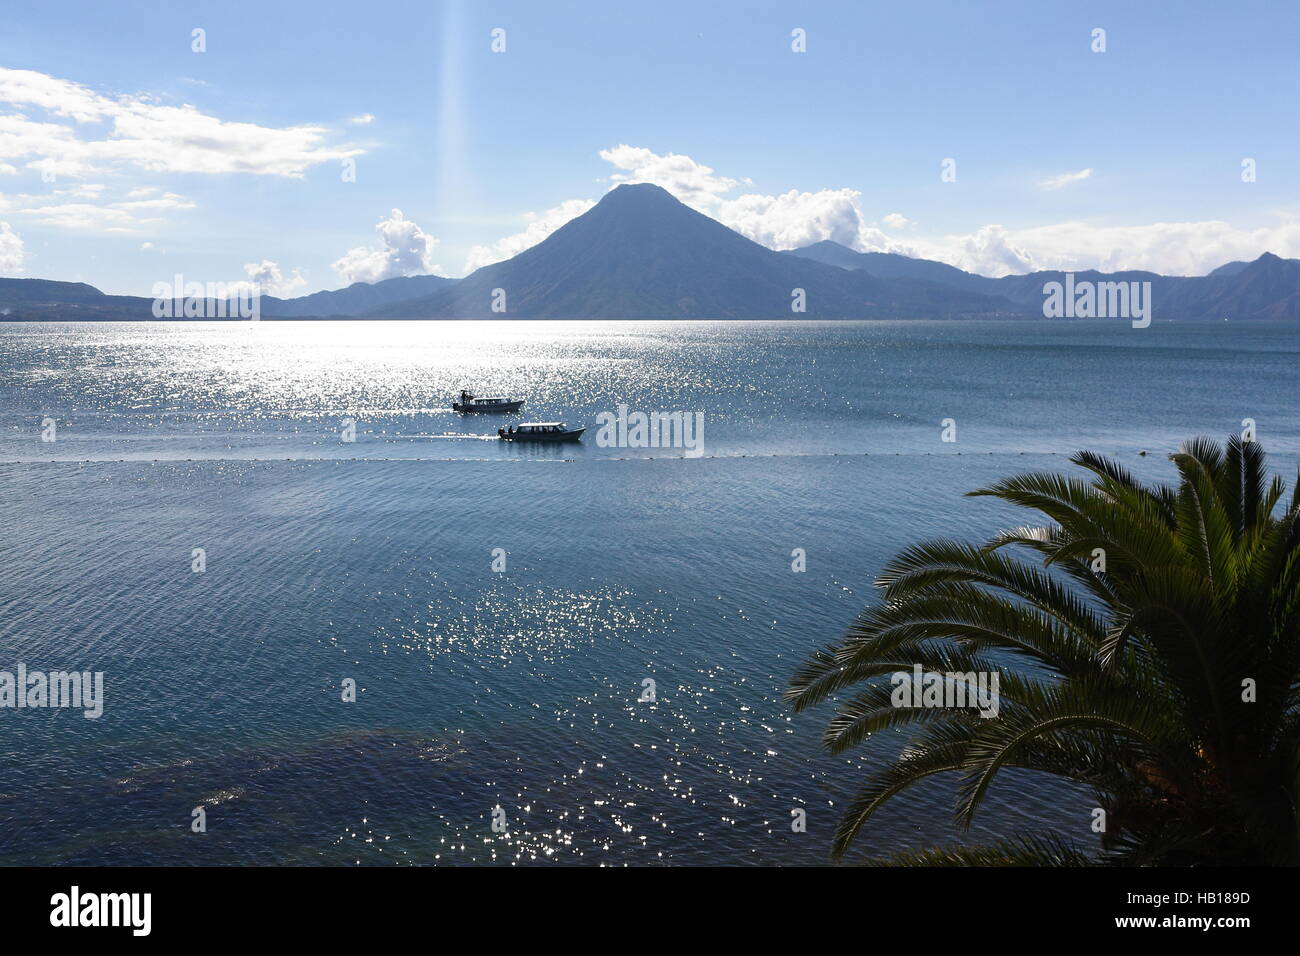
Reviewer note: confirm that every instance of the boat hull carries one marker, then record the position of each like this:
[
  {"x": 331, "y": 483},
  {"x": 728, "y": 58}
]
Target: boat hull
[
  {"x": 573, "y": 435},
  {"x": 494, "y": 407}
]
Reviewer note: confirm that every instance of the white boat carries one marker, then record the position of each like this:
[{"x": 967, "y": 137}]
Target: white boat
[
  {"x": 469, "y": 403},
  {"x": 541, "y": 431}
]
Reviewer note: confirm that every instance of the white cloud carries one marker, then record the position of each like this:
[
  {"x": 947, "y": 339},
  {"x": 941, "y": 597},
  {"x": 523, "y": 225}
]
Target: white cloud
[
  {"x": 539, "y": 227},
  {"x": 60, "y": 97},
  {"x": 363, "y": 120},
  {"x": 68, "y": 209},
  {"x": 143, "y": 133},
  {"x": 1170, "y": 248},
  {"x": 407, "y": 250},
  {"x": 81, "y": 216},
  {"x": 12, "y": 253},
  {"x": 896, "y": 220},
  {"x": 794, "y": 219},
  {"x": 1065, "y": 179},
  {"x": 45, "y": 145},
  {"x": 990, "y": 251},
  {"x": 266, "y": 275},
  {"x": 691, "y": 182},
  {"x": 262, "y": 278}
]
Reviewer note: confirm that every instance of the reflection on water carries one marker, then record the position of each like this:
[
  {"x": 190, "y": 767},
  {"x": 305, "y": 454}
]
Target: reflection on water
[
  {"x": 518, "y": 688},
  {"x": 280, "y": 390}
]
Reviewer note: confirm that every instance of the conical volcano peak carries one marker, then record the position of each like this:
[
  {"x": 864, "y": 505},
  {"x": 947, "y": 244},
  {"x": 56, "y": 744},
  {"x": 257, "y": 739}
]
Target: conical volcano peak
[
  {"x": 639, "y": 194},
  {"x": 642, "y": 253}
]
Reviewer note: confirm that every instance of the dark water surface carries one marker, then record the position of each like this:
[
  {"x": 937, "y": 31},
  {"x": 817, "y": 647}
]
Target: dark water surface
[{"x": 372, "y": 560}]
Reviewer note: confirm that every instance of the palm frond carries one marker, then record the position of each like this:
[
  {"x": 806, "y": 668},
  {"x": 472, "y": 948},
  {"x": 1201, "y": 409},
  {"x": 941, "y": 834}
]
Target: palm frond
[{"x": 1145, "y": 641}]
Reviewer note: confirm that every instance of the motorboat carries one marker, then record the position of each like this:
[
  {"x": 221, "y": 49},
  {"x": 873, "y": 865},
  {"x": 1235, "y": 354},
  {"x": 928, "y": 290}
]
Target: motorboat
[
  {"x": 471, "y": 403},
  {"x": 541, "y": 431}
]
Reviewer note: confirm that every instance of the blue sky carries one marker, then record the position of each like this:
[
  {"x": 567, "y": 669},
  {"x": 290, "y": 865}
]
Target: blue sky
[{"x": 228, "y": 163}]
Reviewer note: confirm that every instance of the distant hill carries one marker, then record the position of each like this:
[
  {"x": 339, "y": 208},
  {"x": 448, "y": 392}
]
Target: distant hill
[
  {"x": 356, "y": 299},
  {"x": 1229, "y": 268},
  {"x": 891, "y": 265},
  {"x": 16, "y": 293},
  {"x": 44, "y": 299},
  {"x": 1268, "y": 288},
  {"x": 641, "y": 254}
]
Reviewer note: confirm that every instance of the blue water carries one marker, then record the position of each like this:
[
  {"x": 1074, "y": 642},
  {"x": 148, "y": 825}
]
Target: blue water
[{"x": 372, "y": 560}]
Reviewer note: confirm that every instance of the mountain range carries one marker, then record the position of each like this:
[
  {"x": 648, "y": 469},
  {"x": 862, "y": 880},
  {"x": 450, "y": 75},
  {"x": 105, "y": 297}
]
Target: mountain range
[{"x": 639, "y": 253}]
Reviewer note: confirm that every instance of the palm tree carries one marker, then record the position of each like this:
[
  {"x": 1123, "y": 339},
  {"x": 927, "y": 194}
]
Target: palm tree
[{"x": 1147, "y": 645}]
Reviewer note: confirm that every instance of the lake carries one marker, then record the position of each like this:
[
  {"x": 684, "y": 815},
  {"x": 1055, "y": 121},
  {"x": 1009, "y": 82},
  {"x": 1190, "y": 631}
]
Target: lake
[{"x": 372, "y": 560}]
